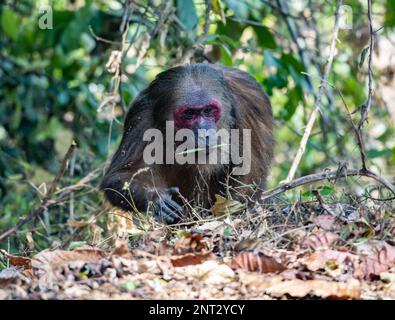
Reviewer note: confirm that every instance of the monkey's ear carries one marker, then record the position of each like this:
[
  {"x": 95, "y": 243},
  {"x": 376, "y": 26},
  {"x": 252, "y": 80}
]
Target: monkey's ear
[
  {"x": 254, "y": 105},
  {"x": 254, "y": 113}
]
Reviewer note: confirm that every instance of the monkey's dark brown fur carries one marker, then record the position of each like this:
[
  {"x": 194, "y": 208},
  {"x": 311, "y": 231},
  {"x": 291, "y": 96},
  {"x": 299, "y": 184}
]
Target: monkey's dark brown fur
[{"x": 130, "y": 183}]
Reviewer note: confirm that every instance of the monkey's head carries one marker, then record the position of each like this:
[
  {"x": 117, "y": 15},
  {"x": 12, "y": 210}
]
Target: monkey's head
[{"x": 194, "y": 97}]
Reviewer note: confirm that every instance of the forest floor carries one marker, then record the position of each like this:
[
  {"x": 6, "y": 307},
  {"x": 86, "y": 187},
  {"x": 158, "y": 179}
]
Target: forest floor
[{"x": 299, "y": 251}]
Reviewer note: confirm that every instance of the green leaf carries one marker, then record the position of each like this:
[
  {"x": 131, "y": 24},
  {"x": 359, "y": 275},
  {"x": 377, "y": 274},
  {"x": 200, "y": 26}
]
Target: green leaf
[
  {"x": 87, "y": 42},
  {"x": 307, "y": 194},
  {"x": 270, "y": 60},
  {"x": 295, "y": 96},
  {"x": 326, "y": 190},
  {"x": 275, "y": 80},
  {"x": 265, "y": 37},
  {"x": 289, "y": 60},
  {"x": 363, "y": 56},
  {"x": 226, "y": 56},
  {"x": 76, "y": 244},
  {"x": 211, "y": 39},
  {"x": 186, "y": 11},
  {"x": 130, "y": 285},
  {"x": 390, "y": 14},
  {"x": 374, "y": 153},
  {"x": 239, "y": 8},
  {"x": 228, "y": 231},
  {"x": 234, "y": 44},
  {"x": 217, "y": 8},
  {"x": 10, "y": 23},
  {"x": 353, "y": 88},
  {"x": 231, "y": 29}
]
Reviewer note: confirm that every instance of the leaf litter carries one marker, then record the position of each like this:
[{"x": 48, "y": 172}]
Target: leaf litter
[{"x": 262, "y": 254}]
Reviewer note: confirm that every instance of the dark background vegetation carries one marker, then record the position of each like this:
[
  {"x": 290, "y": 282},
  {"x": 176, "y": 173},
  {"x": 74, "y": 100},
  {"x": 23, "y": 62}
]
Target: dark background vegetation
[{"x": 57, "y": 85}]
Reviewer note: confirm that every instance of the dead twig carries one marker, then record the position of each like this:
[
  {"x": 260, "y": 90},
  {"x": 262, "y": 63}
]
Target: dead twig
[
  {"x": 367, "y": 105},
  {"x": 321, "y": 92},
  {"x": 326, "y": 175},
  {"x": 357, "y": 131}
]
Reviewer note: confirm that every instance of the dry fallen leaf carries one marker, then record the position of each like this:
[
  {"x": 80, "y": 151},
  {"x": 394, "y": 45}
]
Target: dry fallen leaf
[
  {"x": 326, "y": 221},
  {"x": 191, "y": 258},
  {"x": 209, "y": 272},
  {"x": 77, "y": 224},
  {"x": 375, "y": 259},
  {"x": 11, "y": 275},
  {"x": 191, "y": 242},
  {"x": 223, "y": 206},
  {"x": 319, "y": 259},
  {"x": 278, "y": 287},
  {"x": 256, "y": 262},
  {"x": 17, "y": 261},
  {"x": 121, "y": 249},
  {"x": 320, "y": 240},
  {"x": 46, "y": 263},
  {"x": 191, "y": 249},
  {"x": 378, "y": 257},
  {"x": 318, "y": 288},
  {"x": 59, "y": 257}
]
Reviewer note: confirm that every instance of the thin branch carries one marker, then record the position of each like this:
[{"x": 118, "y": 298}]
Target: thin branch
[
  {"x": 279, "y": 9},
  {"x": 326, "y": 175},
  {"x": 366, "y": 107},
  {"x": 98, "y": 38},
  {"x": 321, "y": 92},
  {"x": 358, "y": 133}
]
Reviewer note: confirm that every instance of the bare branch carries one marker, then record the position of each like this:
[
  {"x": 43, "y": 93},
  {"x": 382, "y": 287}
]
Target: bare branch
[
  {"x": 326, "y": 175},
  {"x": 366, "y": 107},
  {"x": 321, "y": 92}
]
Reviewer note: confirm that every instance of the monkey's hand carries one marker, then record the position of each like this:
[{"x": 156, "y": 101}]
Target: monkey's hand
[{"x": 165, "y": 208}]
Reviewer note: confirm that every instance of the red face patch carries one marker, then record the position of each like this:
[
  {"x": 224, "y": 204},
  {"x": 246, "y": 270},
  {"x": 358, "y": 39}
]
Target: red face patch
[{"x": 187, "y": 116}]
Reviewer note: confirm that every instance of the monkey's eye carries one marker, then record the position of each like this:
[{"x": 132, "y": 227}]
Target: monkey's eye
[
  {"x": 189, "y": 113},
  {"x": 207, "y": 111}
]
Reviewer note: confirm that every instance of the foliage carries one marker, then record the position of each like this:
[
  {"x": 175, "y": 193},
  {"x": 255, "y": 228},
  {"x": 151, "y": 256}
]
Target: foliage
[{"x": 54, "y": 82}]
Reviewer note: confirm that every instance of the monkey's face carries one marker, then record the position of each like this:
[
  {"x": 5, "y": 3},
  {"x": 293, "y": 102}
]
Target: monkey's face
[
  {"x": 195, "y": 100},
  {"x": 201, "y": 119}
]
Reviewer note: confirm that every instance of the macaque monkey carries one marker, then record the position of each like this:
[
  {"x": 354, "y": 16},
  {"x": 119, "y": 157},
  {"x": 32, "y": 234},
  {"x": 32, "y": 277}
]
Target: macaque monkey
[{"x": 201, "y": 100}]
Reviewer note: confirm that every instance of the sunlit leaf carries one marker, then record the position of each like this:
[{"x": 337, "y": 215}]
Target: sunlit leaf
[
  {"x": 390, "y": 13},
  {"x": 265, "y": 37},
  {"x": 10, "y": 23},
  {"x": 187, "y": 13},
  {"x": 239, "y": 8},
  {"x": 375, "y": 153}
]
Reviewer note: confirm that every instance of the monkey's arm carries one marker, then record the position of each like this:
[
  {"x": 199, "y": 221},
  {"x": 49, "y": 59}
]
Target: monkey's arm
[
  {"x": 134, "y": 191},
  {"x": 130, "y": 183}
]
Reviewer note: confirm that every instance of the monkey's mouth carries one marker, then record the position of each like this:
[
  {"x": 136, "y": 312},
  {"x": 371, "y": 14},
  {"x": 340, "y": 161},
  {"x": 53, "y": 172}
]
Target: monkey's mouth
[
  {"x": 198, "y": 150},
  {"x": 208, "y": 149}
]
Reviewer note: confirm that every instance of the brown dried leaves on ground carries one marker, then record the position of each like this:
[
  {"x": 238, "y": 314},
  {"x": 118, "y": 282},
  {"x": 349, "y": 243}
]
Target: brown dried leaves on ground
[{"x": 328, "y": 257}]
